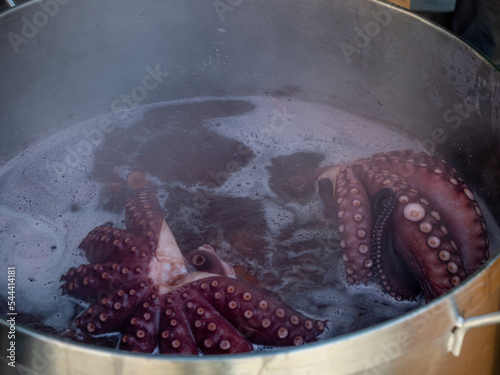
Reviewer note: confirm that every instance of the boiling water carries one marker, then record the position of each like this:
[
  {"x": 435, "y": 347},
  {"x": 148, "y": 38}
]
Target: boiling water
[{"x": 221, "y": 168}]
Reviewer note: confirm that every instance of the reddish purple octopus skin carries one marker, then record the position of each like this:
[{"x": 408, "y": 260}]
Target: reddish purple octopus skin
[
  {"x": 434, "y": 223},
  {"x": 139, "y": 284}
]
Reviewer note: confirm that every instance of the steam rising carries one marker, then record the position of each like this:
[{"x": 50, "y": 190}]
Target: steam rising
[{"x": 54, "y": 193}]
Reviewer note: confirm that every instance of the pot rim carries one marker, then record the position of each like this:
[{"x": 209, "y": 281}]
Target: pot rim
[{"x": 360, "y": 334}]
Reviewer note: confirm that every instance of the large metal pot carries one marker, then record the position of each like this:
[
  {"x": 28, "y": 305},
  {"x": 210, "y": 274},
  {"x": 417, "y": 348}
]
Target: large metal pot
[{"x": 66, "y": 61}]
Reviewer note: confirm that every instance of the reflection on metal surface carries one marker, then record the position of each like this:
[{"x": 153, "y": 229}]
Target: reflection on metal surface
[
  {"x": 385, "y": 349},
  {"x": 11, "y": 3}
]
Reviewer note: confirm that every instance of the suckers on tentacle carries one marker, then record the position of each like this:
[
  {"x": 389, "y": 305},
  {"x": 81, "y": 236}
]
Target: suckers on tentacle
[
  {"x": 436, "y": 224},
  {"x": 140, "y": 284}
]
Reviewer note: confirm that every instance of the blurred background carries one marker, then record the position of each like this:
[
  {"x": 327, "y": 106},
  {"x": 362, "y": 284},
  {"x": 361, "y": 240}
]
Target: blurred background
[{"x": 476, "y": 21}]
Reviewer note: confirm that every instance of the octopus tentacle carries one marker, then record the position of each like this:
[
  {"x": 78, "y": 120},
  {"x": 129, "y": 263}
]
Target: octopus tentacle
[
  {"x": 111, "y": 310},
  {"x": 419, "y": 236},
  {"x": 105, "y": 243},
  {"x": 262, "y": 319},
  {"x": 440, "y": 184},
  {"x": 212, "y": 332},
  {"x": 424, "y": 242},
  {"x": 144, "y": 214},
  {"x": 204, "y": 259},
  {"x": 355, "y": 225},
  {"x": 175, "y": 335},
  {"x": 140, "y": 332},
  {"x": 91, "y": 280},
  {"x": 436, "y": 232},
  {"x": 141, "y": 286},
  {"x": 325, "y": 190},
  {"x": 387, "y": 270}
]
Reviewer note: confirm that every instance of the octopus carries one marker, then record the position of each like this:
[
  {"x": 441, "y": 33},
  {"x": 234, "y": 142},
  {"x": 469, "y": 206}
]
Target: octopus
[
  {"x": 139, "y": 285},
  {"x": 407, "y": 222}
]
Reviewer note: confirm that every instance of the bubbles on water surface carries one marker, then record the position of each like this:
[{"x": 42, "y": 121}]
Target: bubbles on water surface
[{"x": 233, "y": 173}]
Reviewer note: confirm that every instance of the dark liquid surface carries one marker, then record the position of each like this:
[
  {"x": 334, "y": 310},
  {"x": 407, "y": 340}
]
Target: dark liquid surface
[{"x": 237, "y": 174}]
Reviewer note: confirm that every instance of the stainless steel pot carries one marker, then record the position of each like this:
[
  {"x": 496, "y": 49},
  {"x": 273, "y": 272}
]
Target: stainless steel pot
[{"x": 66, "y": 61}]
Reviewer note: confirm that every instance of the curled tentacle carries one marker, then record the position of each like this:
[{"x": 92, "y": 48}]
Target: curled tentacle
[
  {"x": 204, "y": 259},
  {"x": 435, "y": 235},
  {"x": 385, "y": 260},
  {"x": 141, "y": 286}
]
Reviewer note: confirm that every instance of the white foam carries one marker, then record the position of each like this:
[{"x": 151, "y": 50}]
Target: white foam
[{"x": 49, "y": 203}]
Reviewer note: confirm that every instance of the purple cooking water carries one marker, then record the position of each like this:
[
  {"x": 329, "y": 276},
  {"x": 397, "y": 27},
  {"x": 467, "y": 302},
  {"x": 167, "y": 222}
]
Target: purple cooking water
[{"x": 233, "y": 173}]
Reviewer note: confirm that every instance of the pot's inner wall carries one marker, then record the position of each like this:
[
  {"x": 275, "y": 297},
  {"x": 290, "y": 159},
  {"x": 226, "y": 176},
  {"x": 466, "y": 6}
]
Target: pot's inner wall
[{"x": 79, "y": 60}]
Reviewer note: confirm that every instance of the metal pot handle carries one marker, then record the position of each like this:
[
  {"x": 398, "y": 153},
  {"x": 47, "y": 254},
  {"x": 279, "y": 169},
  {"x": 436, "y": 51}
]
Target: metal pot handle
[{"x": 462, "y": 325}]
